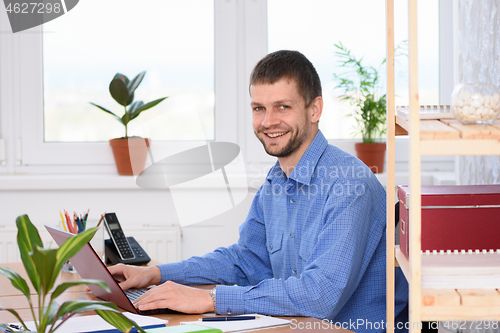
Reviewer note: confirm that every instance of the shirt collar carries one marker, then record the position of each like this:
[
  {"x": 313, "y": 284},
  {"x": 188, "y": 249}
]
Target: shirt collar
[{"x": 303, "y": 171}]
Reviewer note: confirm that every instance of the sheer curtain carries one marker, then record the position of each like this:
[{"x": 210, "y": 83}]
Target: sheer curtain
[{"x": 479, "y": 62}]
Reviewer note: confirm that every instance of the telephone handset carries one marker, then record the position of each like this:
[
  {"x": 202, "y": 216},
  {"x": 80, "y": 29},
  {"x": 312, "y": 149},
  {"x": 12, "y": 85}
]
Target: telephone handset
[{"x": 119, "y": 248}]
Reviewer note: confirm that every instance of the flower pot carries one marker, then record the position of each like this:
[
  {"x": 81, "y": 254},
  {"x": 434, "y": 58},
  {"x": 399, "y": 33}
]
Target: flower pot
[
  {"x": 372, "y": 154},
  {"x": 130, "y": 154}
]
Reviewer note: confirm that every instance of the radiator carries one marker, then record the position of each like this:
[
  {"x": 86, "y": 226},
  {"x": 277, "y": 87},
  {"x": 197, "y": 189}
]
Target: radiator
[{"x": 162, "y": 244}]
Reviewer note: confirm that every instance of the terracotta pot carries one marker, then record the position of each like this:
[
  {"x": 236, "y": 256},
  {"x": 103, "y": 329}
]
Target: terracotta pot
[
  {"x": 372, "y": 154},
  {"x": 130, "y": 154}
]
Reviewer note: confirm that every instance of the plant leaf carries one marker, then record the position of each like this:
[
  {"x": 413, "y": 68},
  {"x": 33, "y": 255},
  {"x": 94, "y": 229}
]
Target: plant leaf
[
  {"x": 79, "y": 306},
  {"x": 147, "y": 106},
  {"x": 63, "y": 286},
  {"x": 45, "y": 262},
  {"x": 106, "y": 110},
  {"x": 136, "y": 81},
  {"x": 119, "y": 321},
  {"x": 17, "y": 281},
  {"x": 17, "y": 317},
  {"x": 50, "y": 313},
  {"x": 71, "y": 246},
  {"x": 135, "y": 106},
  {"x": 27, "y": 238},
  {"x": 118, "y": 90}
]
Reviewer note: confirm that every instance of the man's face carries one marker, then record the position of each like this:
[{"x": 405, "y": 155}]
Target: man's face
[{"x": 281, "y": 120}]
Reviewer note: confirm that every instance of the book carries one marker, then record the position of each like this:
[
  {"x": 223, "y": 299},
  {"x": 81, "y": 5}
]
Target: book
[
  {"x": 244, "y": 325},
  {"x": 426, "y": 112},
  {"x": 461, "y": 270},
  {"x": 184, "y": 329}
]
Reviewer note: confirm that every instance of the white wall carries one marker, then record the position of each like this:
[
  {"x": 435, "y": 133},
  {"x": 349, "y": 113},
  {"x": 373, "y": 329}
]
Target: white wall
[{"x": 42, "y": 196}]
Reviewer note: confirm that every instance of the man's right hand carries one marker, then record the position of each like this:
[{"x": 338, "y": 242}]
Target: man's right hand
[{"x": 129, "y": 276}]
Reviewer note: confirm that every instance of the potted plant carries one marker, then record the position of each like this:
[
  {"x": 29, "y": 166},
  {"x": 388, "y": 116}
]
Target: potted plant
[
  {"x": 129, "y": 152},
  {"x": 43, "y": 266},
  {"x": 360, "y": 85}
]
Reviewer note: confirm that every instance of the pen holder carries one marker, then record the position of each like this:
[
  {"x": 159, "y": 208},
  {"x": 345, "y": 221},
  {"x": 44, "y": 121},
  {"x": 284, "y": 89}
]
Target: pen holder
[{"x": 97, "y": 243}]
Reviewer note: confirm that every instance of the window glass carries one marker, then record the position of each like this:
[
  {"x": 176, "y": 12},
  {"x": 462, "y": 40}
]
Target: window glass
[
  {"x": 313, "y": 27},
  {"x": 82, "y": 51}
]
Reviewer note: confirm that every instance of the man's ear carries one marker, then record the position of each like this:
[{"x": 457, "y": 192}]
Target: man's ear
[{"x": 316, "y": 109}]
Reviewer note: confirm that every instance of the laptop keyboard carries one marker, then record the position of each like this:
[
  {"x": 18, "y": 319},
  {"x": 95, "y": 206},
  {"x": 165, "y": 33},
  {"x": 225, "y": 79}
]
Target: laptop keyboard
[{"x": 134, "y": 294}]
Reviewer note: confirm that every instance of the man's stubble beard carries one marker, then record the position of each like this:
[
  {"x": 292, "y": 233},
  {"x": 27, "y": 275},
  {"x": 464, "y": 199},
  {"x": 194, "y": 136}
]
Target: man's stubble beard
[{"x": 292, "y": 145}]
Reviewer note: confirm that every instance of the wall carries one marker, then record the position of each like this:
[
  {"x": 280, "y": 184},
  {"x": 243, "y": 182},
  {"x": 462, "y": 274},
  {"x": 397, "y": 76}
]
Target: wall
[{"x": 42, "y": 196}]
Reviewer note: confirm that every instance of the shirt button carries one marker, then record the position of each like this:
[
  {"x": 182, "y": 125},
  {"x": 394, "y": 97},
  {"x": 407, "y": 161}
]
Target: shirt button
[
  {"x": 270, "y": 247},
  {"x": 291, "y": 234},
  {"x": 292, "y": 200},
  {"x": 294, "y": 271}
]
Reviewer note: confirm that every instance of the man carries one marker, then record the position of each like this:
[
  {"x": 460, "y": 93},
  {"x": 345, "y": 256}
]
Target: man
[{"x": 313, "y": 243}]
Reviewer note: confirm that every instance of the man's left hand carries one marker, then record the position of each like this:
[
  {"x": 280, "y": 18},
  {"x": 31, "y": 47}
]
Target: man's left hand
[{"x": 177, "y": 297}]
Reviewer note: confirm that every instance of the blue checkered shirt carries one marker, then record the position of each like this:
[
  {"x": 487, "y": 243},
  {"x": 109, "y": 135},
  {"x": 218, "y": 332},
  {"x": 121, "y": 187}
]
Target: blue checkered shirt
[{"x": 313, "y": 244}]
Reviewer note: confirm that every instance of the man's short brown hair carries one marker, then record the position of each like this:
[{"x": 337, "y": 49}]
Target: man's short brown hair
[{"x": 292, "y": 65}]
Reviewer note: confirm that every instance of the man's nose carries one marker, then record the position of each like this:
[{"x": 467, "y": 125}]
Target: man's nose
[{"x": 270, "y": 119}]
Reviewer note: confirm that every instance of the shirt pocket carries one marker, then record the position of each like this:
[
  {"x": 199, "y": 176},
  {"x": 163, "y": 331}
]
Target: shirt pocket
[{"x": 275, "y": 243}]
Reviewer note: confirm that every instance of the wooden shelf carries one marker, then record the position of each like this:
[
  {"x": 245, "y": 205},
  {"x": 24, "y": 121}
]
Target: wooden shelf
[
  {"x": 454, "y": 304},
  {"x": 450, "y": 137}
]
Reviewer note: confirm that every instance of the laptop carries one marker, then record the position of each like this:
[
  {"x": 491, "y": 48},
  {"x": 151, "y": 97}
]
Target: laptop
[{"x": 89, "y": 266}]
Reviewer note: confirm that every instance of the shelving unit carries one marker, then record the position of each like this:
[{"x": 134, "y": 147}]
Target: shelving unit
[{"x": 429, "y": 137}]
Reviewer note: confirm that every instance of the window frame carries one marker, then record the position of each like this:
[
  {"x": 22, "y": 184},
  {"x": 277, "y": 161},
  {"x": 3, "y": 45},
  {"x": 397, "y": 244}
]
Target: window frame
[{"x": 240, "y": 41}]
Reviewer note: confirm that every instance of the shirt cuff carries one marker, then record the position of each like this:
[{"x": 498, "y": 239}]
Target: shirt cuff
[
  {"x": 171, "y": 272},
  {"x": 229, "y": 300}
]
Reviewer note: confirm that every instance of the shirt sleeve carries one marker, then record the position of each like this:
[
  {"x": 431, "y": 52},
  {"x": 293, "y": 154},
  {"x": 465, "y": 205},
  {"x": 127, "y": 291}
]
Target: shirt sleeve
[
  {"x": 244, "y": 263},
  {"x": 345, "y": 245}
]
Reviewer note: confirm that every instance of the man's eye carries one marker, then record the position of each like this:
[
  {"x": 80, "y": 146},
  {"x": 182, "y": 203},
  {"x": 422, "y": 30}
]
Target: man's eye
[
  {"x": 258, "y": 108},
  {"x": 283, "y": 107}
]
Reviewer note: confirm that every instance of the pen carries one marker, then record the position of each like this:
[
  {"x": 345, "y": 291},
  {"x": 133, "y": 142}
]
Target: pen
[{"x": 235, "y": 318}]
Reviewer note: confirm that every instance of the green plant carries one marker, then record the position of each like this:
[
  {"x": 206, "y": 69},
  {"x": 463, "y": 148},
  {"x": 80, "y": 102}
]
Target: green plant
[
  {"x": 360, "y": 86},
  {"x": 123, "y": 90},
  {"x": 43, "y": 266}
]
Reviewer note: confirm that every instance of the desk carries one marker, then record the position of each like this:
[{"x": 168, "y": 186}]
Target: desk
[{"x": 12, "y": 298}]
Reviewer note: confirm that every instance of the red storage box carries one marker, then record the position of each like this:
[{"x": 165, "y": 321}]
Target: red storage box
[{"x": 460, "y": 217}]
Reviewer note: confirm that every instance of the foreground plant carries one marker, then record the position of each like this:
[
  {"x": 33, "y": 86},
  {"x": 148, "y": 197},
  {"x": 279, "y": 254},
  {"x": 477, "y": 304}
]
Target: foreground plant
[{"x": 43, "y": 267}]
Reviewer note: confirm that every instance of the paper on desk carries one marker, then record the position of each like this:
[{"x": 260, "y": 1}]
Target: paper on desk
[
  {"x": 243, "y": 325},
  {"x": 96, "y": 323}
]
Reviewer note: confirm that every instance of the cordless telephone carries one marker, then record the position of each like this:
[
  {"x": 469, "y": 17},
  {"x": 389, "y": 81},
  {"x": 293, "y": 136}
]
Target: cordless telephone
[{"x": 118, "y": 237}]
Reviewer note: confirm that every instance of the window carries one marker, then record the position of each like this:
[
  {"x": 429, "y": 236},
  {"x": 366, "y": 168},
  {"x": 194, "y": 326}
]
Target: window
[
  {"x": 172, "y": 40},
  {"x": 42, "y": 83},
  {"x": 313, "y": 27}
]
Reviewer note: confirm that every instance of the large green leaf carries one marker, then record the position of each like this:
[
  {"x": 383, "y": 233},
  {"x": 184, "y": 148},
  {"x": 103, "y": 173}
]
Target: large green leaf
[
  {"x": 27, "y": 238},
  {"x": 136, "y": 81},
  {"x": 119, "y": 321},
  {"x": 79, "y": 306},
  {"x": 63, "y": 286},
  {"x": 106, "y": 110},
  {"x": 17, "y": 281},
  {"x": 49, "y": 314},
  {"x": 45, "y": 263},
  {"x": 17, "y": 317},
  {"x": 135, "y": 106},
  {"x": 146, "y": 106},
  {"x": 71, "y": 246},
  {"x": 118, "y": 90}
]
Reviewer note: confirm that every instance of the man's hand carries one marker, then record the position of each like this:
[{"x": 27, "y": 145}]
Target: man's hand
[
  {"x": 176, "y": 297},
  {"x": 129, "y": 276}
]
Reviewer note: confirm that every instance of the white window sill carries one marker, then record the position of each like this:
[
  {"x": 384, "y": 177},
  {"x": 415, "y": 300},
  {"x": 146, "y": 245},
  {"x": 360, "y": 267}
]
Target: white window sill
[{"x": 116, "y": 182}]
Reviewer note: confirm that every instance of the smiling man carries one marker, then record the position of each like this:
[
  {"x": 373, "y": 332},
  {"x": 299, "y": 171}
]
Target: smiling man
[{"x": 313, "y": 243}]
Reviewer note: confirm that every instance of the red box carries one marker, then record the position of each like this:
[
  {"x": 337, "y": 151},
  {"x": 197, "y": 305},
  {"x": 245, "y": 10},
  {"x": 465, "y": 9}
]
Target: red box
[{"x": 460, "y": 217}]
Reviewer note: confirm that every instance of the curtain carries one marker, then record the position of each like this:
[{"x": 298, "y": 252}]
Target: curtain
[{"x": 479, "y": 62}]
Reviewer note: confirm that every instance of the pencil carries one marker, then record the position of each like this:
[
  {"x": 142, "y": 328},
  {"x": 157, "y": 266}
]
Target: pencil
[
  {"x": 62, "y": 221},
  {"x": 102, "y": 217}
]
